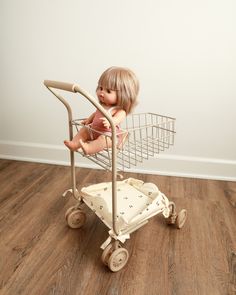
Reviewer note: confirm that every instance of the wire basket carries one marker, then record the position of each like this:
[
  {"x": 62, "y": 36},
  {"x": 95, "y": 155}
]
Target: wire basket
[{"x": 143, "y": 136}]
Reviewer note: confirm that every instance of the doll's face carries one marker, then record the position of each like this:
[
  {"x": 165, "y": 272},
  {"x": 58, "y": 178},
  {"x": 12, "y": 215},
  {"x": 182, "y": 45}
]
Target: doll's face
[{"x": 106, "y": 96}]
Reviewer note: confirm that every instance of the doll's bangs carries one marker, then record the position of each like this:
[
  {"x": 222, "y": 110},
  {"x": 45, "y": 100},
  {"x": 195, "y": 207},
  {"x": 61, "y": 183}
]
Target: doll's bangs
[{"x": 109, "y": 80}]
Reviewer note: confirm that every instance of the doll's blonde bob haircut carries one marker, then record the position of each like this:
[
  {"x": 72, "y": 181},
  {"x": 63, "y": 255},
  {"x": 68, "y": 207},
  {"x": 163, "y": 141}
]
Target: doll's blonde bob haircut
[{"x": 125, "y": 83}]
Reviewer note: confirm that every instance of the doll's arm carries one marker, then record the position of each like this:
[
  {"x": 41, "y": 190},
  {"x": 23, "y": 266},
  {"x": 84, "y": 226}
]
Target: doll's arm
[
  {"x": 89, "y": 119},
  {"x": 118, "y": 117}
]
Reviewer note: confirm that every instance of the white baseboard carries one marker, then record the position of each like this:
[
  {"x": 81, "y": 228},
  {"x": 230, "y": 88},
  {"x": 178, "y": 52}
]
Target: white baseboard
[{"x": 164, "y": 164}]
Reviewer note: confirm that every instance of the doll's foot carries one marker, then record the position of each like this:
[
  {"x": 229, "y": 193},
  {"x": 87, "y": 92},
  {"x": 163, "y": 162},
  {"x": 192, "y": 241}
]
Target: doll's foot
[{"x": 71, "y": 145}]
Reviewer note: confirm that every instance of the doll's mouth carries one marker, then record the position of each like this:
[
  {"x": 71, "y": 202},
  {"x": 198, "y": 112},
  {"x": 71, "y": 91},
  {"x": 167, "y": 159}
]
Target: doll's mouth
[{"x": 101, "y": 98}]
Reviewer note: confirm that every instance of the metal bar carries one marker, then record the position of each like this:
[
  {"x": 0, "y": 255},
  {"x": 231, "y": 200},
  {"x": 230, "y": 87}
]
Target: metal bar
[{"x": 72, "y": 156}]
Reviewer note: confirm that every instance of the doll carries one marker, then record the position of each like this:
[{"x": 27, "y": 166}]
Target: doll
[{"x": 117, "y": 92}]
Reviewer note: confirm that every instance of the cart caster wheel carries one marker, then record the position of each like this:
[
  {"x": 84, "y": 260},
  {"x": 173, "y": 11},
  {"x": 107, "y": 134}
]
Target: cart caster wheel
[
  {"x": 107, "y": 253},
  {"x": 69, "y": 211},
  {"x": 171, "y": 219},
  {"x": 75, "y": 217},
  {"x": 181, "y": 218},
  {"x": 118, "y": 259}
]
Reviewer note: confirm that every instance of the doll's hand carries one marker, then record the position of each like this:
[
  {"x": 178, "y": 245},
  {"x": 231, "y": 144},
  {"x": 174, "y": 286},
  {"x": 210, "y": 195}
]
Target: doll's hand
[
  {"x": 85, "y": 122},
  {"x": 105, "y": 122}
]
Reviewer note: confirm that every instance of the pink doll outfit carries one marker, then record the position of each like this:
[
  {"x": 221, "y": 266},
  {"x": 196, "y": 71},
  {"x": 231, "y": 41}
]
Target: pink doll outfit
[{"x": 97, "y": 125}]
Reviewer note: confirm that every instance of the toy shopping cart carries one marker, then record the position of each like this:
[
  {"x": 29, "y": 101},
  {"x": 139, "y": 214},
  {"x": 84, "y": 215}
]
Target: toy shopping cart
[{"x": 122, "y": 205}]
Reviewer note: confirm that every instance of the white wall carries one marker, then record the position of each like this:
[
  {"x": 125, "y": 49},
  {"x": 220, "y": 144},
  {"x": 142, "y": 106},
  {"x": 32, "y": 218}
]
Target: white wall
[{"x": 184, "y": 53}]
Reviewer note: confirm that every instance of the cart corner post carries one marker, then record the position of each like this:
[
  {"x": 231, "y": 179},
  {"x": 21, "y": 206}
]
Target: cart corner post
[
  {"x": 78, "y": 89},
  {"x": 67, "y": 87}
]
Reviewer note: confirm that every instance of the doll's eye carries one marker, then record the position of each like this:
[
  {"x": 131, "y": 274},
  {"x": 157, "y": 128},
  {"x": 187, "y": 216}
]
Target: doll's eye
[{"x": 108, "y": 91}]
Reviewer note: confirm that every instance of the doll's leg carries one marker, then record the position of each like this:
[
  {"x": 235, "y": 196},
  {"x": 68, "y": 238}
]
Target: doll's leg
[
  {"x": 96, "y": 145},
  {"x": 74, "y": 144}
]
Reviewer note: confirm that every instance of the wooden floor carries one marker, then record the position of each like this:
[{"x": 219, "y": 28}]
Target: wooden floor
[{"x": 41, "y": 255}]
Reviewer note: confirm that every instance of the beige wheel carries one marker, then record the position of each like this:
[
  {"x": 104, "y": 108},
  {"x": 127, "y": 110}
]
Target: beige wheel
[
  {"x": 118, "y": 259},
  {"x": 107, "y": 253},
  {"x": 181, "y": 218},
  {"x": 69, "y": 211},
  {"x": 76, "y": 218}
]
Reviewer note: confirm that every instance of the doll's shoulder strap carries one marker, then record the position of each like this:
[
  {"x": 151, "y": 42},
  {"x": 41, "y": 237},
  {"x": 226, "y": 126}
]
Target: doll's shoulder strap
[{"x": 113, "y": 108}]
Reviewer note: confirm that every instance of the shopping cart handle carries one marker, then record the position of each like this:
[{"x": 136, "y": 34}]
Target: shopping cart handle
[{"x": 60, "y": 85}]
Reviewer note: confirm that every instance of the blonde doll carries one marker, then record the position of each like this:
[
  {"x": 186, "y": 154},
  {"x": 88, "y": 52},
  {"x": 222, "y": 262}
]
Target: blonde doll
[{"x": 117, "y": 92}]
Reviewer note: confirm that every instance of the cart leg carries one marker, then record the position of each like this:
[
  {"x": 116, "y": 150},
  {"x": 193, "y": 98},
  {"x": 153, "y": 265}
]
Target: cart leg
[{"x": 73, "y": 177}]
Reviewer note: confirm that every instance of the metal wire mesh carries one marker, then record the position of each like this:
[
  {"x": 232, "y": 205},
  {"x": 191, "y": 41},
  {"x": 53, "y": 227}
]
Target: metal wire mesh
[{"x": 145, "y": 135}]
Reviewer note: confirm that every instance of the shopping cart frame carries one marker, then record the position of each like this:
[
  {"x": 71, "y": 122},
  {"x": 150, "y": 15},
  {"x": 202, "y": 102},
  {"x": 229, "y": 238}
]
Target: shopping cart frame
[{"x": 116, "y": 232}]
